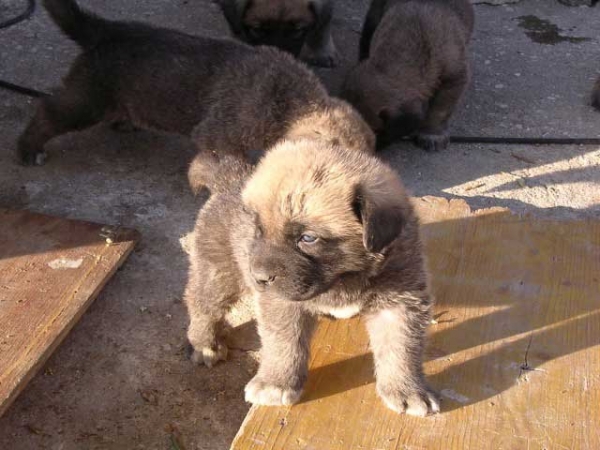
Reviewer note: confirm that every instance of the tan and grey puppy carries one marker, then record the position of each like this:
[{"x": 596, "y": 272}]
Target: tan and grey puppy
[
  {"x": 301, "y": 27},
  {"x": 413, "y": 68},
  {"x": 596, "y": 95},
  {"x": 315, "y": 229},
  {"x": 161, "y": 79}
]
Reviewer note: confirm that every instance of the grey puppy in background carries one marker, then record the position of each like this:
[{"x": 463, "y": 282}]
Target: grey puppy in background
[
  {"x": 316, "y": 228},
  {"x": 161, "y": 79},
  {"x": 300, "y": 27},
  {"x": 413, "y": 70}
]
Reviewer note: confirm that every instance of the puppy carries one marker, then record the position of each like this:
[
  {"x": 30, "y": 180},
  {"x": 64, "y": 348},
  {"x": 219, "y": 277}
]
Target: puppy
[
  {"x": 164, "y": 80},
  {"x": 413, "y": 68},
  {"x": 596, "y": 95},
  {"x": 301, "y": 27},
  {"x": 316, "y": 228}
]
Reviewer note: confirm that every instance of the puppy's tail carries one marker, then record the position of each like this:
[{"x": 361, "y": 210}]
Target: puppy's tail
[
  {"x": 85, "y": 28},
  {"x": 218, "y": 173}
]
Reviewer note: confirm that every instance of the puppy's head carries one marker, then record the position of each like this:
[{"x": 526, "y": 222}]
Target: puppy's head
[
  {"x": 392, "y": 109},
  {"x": 319, "y": 214},
  {"x": 279, "y": 23}
]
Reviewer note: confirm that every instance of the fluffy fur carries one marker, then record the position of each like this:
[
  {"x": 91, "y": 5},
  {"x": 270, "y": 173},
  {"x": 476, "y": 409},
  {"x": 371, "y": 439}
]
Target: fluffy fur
[
  {"x": 413, "y": 68},
  {"x": 319, "y": 228},
  {"x": 301, "y": 27},
  {"x": 162, "y": 79}
]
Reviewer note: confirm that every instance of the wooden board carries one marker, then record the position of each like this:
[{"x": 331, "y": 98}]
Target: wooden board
[
  {"x": 515, "y": 352},
  {"x": 51, "y": 269}
]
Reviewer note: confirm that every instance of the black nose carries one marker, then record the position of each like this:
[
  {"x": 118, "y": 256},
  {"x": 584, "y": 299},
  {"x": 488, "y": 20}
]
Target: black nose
[{"x": 263, "y": 277}]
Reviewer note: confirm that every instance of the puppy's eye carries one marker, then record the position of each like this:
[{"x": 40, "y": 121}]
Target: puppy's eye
[{"x": 308, "y": 239}]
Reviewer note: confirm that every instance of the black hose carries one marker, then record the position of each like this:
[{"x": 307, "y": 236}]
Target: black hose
[
  {"x": 6, "y": 84},
  {"x": 524, "y": 140},
  {"x": 24, "y": 15},
  {"x": 22, "y": 89}
]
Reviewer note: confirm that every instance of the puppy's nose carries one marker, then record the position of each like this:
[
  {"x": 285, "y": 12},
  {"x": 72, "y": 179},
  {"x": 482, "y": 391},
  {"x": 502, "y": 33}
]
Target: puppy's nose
[{"x": 263, "y": 277}]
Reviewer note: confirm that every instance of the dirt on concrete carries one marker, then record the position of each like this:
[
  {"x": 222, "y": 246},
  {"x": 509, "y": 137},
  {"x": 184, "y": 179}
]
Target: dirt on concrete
[{"x": 121, "y": 379}]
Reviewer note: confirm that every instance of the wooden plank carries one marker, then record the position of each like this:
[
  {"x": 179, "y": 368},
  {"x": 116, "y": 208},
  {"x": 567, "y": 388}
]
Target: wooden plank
[
  {"x": 515, "y": 351},
  {"x": 51, "y": 269}
]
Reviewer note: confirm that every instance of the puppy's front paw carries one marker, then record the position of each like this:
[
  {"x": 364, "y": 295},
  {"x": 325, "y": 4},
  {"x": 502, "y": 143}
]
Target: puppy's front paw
[
  {"x": 260, "y": 391},
  {"x": 417, "y": 402},
  {"x": 209, "y": 356},
  {"x": 32, "y": 158},
  {"x": 432, "y": 142}
]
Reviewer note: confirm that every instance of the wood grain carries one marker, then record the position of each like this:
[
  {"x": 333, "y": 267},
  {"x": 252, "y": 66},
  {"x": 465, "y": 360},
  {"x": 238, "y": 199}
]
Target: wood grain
[
  {"x": 515, "y": 351},
  {"x": 51, "y": 269}
]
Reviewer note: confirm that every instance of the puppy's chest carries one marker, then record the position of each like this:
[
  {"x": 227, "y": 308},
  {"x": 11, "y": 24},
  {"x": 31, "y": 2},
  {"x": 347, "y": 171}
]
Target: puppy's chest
[
  {"x": 340, "y": 312},
  {"x": 338, "y": 306}
]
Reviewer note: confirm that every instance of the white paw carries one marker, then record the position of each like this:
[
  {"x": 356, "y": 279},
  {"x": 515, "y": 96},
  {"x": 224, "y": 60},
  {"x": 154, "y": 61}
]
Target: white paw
[
  {"x": 416, "y": 403},
  {"x": 209, "y": 356},
  {"x": 40, "y": 158},
  {"x": 260, "y": 392}
]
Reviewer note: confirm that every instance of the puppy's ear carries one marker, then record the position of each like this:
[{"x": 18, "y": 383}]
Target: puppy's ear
[
  {"x": 382, "y": 221},
  {"x": 234, "y": 11}
]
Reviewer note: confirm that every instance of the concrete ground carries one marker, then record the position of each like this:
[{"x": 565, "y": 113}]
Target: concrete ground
[{"x": 121, "y": 379}]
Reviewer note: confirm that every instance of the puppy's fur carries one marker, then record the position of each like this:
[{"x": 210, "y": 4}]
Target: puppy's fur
[
  {"x": 413, "y": 68},
  {"x": 596, "y": 95},
  {"x": 301, "y": 27},
  {"x": 319, "y": 228},
  {"x": 161, "y": 79}
]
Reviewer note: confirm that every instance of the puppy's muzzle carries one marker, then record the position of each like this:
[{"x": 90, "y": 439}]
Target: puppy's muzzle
[{"x": 263, "y": 278}]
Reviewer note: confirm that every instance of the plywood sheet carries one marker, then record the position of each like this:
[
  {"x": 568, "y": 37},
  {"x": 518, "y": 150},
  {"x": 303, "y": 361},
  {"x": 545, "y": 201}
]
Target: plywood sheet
[
  {"x": 51, "y": 269},
  {"x": 515, "y": 351}
]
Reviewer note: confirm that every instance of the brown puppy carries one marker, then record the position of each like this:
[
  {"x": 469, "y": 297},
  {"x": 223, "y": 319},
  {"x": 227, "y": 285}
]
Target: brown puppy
[
  {"x": 596, "y": 95},
  {"x": 316, "y": 228},
  {"x": 301, "y": 27},
  {"x": 413, "y": 68},
  {"x": 165, "y": 80}
]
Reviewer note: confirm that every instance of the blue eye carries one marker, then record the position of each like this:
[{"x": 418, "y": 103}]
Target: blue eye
[{"x": 308, "y": 239}]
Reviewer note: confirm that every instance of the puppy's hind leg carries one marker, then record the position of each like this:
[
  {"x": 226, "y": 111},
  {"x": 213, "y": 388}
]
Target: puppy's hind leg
[
  {"x": 433, "y": 133},
  {"x": 65, "y": 111},
  {"x": 208, "y": 299},
  {"x": 374, "y": 15}
]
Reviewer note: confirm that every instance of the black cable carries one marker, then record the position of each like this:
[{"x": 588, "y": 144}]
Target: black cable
[
  {"x": 22, "y": 89},
  {"x": 519, "y": 140},
  {"x": 24, "y": 15},
  {"x": 11, "y": 86},
  {"x": 524, "y": 140}
]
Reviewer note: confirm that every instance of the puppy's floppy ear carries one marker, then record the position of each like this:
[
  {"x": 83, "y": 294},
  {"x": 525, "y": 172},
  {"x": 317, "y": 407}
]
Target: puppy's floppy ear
[
  {"x": 234, "y": 11},
  {"x": 382, "y": 221}
]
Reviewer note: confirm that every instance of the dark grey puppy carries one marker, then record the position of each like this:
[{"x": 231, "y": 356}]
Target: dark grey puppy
[
  {"x": 161, "y": 79},
  {"x": 413, "y": 68},
  {"x": 301, "y": 27},
  {"x": 316, "y": 228}
]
